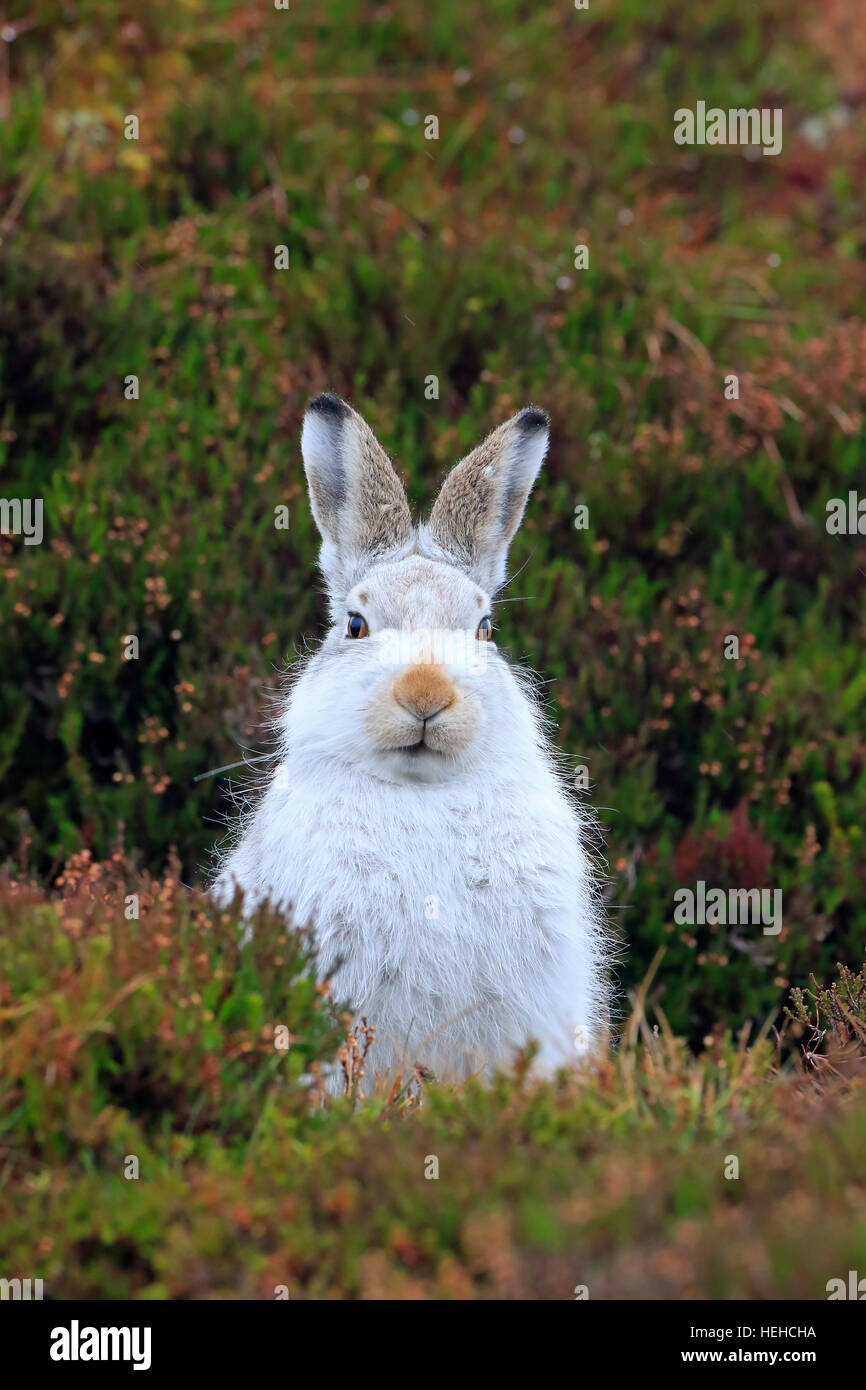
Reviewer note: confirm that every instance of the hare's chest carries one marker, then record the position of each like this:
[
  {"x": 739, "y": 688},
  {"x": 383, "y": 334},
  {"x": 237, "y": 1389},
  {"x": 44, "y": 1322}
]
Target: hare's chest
[{"x": 404, "y": 889}]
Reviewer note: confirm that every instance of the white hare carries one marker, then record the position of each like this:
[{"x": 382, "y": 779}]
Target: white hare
[{"x": 415, "y": 815}]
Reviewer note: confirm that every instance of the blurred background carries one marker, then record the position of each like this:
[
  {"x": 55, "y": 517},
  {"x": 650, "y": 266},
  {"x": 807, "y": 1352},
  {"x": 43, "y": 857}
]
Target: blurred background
[{"x": 409, "y": 258}]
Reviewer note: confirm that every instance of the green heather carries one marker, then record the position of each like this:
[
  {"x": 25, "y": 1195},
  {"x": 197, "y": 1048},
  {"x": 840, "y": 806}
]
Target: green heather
[{"x": 411, "y": 258}]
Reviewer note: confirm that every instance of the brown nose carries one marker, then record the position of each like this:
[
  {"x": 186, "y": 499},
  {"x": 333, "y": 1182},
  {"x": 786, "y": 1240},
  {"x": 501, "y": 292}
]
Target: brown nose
[{"x": 424, "y": 690}]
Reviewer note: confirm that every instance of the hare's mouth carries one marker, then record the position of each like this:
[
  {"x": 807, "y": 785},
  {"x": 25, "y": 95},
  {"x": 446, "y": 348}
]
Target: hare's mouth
[{"x": 414, "y": 749}]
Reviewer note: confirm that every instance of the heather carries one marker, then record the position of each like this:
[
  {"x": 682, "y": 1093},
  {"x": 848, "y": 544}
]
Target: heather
[
  {"x": 164, "y": 1132},
  {"x": 705, "y": 518}
]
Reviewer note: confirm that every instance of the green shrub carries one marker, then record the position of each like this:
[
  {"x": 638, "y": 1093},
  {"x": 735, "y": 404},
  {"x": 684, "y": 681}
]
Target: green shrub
[
  {"x": 153, "y": 1040},
  {"x": 130, "y": 1018},
  {"x": 454, "y": 258}
]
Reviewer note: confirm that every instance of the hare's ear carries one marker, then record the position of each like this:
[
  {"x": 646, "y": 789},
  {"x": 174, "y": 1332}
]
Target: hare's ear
[
  {"x": 483, "y": 499},
  {"x": 357, "y": 499}
]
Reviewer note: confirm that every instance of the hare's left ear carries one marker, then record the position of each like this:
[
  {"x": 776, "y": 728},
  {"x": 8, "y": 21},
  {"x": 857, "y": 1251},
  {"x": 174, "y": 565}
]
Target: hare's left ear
[
  {"x": 483, "y": 499},
  {"x": 358, "y": 501}
]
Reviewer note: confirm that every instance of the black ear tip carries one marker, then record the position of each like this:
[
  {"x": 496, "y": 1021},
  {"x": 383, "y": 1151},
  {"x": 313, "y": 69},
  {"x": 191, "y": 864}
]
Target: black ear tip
[
  {"x": 532, "y": 418},
  {"x": 329, "y": 404}
]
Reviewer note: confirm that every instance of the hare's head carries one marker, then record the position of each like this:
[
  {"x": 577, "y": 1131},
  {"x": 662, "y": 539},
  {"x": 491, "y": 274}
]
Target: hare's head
[{"x": 408, "y": 684}]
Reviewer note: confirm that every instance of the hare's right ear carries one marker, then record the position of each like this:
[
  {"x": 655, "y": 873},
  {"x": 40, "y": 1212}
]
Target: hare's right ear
[
  {"x": 481, "y": 503},
  {"x": 357, "y": 499}
]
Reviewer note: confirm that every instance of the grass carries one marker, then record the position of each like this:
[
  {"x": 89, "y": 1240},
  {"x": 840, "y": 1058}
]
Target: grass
[
  {"x": 453, "y": 258},
  {"x": 157, "y": 1141}
]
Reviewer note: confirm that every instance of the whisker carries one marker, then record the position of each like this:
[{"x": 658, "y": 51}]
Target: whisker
[{"x": 229, "y": 767}]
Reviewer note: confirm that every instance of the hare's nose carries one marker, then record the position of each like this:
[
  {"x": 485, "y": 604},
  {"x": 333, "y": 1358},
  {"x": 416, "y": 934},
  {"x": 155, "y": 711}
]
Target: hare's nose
[{"x": 424, "y": 690}]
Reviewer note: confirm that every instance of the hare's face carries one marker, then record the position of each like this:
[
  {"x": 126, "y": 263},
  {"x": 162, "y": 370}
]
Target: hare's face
[
  {"x": 408, "y": 685},
  {"x": 410, "y": 679},
  {"x": 426, "y": 627}
]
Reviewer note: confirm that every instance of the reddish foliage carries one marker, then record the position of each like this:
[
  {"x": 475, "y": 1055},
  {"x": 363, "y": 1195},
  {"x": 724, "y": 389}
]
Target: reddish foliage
[{"x": 739, "y": 859}]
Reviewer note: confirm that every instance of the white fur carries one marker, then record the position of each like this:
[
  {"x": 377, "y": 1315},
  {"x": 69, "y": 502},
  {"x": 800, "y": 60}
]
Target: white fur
[{"x": 452, "y": 896}]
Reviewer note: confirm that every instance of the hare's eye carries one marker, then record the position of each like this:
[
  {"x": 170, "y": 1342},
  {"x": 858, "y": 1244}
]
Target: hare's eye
[
  {"x": 485, "y": 630},
  {"x": 357, "y": 626}
]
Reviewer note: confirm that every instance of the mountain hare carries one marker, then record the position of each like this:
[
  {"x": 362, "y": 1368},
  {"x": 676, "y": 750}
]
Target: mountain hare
[{"x": 415, "y": 816}]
